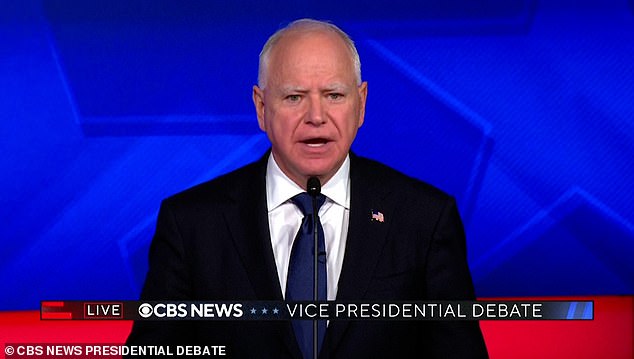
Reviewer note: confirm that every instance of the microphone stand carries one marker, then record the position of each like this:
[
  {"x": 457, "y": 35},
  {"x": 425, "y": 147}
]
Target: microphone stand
[{"x": 313, "y": 186}]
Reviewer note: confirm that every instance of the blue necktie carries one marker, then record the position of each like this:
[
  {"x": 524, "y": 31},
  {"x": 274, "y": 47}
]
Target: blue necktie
[{"x": 299, "y": 283}]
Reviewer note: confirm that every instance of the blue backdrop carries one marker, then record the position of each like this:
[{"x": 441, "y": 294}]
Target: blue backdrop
[{"x": 109, "y": 106}]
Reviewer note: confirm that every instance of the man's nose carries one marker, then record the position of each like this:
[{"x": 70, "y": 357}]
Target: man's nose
[{"x": 316, "y": 113}]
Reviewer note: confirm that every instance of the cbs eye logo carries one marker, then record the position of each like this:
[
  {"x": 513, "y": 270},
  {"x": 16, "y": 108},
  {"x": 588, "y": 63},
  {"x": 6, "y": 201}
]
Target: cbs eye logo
[
  {"x": 145, "y": 310},
  {"x": 163, "y": 310}
]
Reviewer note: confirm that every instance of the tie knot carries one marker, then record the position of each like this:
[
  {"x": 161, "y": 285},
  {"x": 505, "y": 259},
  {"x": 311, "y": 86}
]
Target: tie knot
[{"x": 305, "y": 203}]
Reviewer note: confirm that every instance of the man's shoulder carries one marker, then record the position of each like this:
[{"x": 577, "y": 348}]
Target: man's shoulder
[
  {"x": 238, "y": 182},
  {"x": 381, "y": 175}
]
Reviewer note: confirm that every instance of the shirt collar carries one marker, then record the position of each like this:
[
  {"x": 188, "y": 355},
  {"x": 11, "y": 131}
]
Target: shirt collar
[
  {"x": 279, "y": 188},
  {"x": 337, "y": 188}
]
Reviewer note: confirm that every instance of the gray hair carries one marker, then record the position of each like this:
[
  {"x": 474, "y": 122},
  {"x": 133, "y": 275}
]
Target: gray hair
[{"x": 306, "y": 25}]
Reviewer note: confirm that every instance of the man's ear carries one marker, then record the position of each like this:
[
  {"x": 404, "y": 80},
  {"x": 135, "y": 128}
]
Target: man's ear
[
  {"x": 258, "y": 101},
  {"x": 363, "y": 95}
]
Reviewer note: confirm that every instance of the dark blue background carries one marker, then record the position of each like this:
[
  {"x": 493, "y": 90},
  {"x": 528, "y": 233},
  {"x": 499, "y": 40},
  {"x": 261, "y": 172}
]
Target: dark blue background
[{"x": 523, "y": 110}]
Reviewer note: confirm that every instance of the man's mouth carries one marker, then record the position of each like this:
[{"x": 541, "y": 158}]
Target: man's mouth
[{"x": 315, "y": 142}]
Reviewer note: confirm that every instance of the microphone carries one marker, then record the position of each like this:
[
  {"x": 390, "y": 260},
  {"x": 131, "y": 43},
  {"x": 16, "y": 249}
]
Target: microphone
[{"x": 313, "y": 187}]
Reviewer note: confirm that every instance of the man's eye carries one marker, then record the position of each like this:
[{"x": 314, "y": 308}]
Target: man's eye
[
  {"x": 293, "y": 98},
  {"x": 335, "y": 96}
]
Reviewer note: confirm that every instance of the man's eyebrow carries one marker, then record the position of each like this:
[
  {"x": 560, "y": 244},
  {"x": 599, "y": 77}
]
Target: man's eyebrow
[
  {"x": 290, "y": 88},
  {"x": 336, "y": 87}
]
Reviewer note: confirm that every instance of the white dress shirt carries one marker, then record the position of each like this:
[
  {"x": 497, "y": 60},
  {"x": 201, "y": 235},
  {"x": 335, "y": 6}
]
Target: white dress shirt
[{"x": 285, "y": 219}]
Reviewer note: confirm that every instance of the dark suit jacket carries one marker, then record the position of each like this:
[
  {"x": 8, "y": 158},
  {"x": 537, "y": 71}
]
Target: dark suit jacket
[{"x": 212, "y": 243}]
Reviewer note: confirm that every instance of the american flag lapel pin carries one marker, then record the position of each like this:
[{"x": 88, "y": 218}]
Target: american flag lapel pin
[{"x": 377, "y": 216}]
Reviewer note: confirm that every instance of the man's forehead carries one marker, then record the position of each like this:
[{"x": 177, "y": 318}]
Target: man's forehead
[{"x": 302, "y": 59}]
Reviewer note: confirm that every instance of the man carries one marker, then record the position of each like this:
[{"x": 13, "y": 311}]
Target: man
[{"x": 387, "y": 236}]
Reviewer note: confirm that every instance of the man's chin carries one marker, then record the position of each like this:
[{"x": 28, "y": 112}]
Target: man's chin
[{"x": 324, "y": 173}]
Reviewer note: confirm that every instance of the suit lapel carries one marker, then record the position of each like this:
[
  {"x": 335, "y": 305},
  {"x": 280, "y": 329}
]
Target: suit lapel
[
  {"x": 248, "y": 222},
  {"x": 366, "y": 238}
]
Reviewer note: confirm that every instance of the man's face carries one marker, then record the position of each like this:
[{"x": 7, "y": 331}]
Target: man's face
[{"x": 311, "y": 106}]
